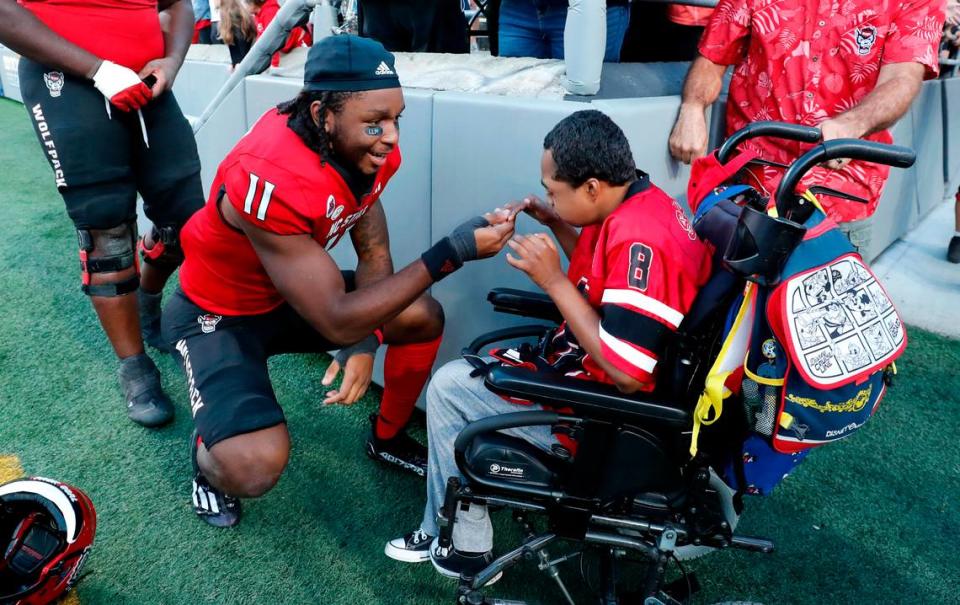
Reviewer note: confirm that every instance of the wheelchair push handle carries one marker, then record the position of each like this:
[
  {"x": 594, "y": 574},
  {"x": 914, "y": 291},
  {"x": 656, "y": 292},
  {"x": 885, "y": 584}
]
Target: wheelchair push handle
[
  {"x": 854, "y": 149},
  {"x": 779, "y": 130}
]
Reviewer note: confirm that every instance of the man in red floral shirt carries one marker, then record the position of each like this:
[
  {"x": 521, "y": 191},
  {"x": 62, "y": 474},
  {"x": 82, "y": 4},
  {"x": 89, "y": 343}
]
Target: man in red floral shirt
[{"x": 851, "y": 67}]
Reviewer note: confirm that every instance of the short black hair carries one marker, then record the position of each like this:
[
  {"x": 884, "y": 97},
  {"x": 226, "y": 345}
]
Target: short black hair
[
  {"x": 301, "y": 122},
  {"x": 588, "y": 144}
]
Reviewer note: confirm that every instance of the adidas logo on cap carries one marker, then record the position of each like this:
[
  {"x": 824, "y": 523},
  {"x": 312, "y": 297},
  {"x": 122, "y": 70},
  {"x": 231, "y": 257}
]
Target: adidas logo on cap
[{"x": 384, "y": 70}]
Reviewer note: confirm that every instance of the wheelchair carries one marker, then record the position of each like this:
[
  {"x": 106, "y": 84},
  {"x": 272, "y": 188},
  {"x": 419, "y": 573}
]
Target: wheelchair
[{"x": 631, "y": 492}]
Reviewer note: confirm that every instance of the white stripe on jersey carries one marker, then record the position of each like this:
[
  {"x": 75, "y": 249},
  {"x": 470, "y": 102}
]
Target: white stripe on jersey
[
  {"x": 251, "y": 191},
  {"x": 634, "y": 357},
  {"x": 265, "y": 200},
  {"x": 645, "y": 303}
]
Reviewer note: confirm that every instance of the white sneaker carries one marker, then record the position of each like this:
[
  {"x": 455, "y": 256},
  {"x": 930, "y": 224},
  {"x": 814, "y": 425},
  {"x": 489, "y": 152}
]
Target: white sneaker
[{"x": 411, "y": 548}]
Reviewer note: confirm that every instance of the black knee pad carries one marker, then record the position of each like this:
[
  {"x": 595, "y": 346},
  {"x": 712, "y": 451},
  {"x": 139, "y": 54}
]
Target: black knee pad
[
  {"x": 165, "y": 251},
  {"x": 109, "y": 251}
]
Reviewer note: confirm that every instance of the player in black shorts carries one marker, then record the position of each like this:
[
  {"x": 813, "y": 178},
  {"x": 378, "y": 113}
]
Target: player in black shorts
[{"x": 108, "y": 136}]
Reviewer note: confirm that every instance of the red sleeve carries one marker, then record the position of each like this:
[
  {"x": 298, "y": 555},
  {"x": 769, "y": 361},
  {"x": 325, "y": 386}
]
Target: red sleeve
[
  {"x": 639, "y": 305},
  {"x": 268, "y": 197},
  {"x": 915, "y": 35},
  {"x": 724, "y": 40}
]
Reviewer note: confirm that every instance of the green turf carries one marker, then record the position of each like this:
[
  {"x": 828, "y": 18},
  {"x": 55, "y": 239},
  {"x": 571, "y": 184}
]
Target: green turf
[{"x": 871, "y": 520}]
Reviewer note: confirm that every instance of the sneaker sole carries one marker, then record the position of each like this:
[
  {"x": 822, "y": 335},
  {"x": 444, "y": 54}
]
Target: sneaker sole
[
  {"x": 449, "y": 574},
  {"x": 406, "y": 556},
  {"x": 390, "y": 460}
]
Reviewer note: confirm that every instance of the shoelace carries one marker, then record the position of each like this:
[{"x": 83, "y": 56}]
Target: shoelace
[{"x": 419, "y": 536}]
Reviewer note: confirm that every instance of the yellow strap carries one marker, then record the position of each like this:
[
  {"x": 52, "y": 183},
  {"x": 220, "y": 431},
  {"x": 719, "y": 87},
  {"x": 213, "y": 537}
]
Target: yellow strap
[
  {"x": 813, "y": 200},
  {"x": 710, "y": 405},
  {"x": 772, "y": 211}
]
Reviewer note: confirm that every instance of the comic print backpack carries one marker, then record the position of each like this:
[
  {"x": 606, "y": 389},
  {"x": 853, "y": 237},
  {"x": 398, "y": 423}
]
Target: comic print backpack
[
  {"x": 809, "y": 352},
  {"x": 822, "y": 345}
]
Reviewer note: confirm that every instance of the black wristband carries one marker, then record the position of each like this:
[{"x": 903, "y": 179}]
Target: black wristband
[{"x": 441, "y": 259}]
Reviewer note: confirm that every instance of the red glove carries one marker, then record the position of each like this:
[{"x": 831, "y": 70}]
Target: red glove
[{"x": 121, "y": 86}]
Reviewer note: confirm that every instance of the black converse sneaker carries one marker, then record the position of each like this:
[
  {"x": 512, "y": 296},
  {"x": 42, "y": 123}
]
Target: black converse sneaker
[
  {"x": 452, "y": 563},
  {"x": 402, "y": 451},
  {"x": 411, "y": 548},
  {"x": 209, "y": 503},
  {"x": 147, "y": 404}
]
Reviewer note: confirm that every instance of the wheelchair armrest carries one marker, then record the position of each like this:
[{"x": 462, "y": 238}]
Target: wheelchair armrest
[
  {"x": 522, "y": 302},
  {"x": 586, "y": 398}
]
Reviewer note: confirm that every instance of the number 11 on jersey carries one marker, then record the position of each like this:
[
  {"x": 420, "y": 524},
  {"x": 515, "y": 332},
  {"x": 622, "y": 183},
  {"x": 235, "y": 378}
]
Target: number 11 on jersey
[{"x": 261, "y": 202}]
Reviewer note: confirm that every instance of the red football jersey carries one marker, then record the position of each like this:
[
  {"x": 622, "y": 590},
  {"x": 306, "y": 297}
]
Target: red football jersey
[
  {"x": 277, "y": 183},
  {"x": 126, "y": 32},
  {"x": 641, "y": 269}
]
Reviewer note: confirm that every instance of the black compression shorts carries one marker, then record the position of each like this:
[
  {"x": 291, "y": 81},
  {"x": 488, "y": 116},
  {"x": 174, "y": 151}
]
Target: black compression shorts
[
  {"x": 102, "y": 157},
  {"x": 225, "y": 360}
]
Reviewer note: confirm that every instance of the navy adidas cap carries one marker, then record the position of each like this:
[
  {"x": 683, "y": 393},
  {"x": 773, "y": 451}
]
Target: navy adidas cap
[{"x": 349, "y": 63}]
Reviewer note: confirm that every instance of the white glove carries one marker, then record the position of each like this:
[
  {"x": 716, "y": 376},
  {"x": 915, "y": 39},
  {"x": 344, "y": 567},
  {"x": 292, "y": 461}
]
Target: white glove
[{"x": 121, "y": 86}]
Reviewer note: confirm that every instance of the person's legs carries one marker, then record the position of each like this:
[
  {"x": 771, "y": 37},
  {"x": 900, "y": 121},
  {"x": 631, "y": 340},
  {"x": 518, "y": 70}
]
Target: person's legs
[
  {"x": 618, "y": 19},
  {"x": 412, "y": 339},
  {"x": 167, "y": 171},
  {"x": 88, "y": 144},
  {"x": 242, "y": 446},
  {"x": 388, "y": 22},
  {"x": 454, "y": 399},
  {"x": 553, "y": 22},
  {"x": 519, "y": 30},
  {"x": 447, "y": 30}
]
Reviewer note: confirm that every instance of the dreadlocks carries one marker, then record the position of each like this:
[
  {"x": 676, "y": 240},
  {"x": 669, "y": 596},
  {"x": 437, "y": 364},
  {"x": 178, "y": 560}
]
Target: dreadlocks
[{"x": 301, "y": 122}]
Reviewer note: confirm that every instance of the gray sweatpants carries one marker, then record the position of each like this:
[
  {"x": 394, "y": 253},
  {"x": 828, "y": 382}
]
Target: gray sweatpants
[{"x": 454, "y": 399}]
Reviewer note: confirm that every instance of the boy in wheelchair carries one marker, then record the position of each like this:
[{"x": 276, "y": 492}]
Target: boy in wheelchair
[{"x": 636, "y": 266}]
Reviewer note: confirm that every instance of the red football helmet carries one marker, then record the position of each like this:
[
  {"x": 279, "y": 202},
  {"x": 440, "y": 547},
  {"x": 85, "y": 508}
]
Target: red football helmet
[{"x": 46, "y": 530}]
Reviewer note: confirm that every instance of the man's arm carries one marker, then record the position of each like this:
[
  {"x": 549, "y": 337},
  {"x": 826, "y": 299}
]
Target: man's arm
[
  {"x": 21, "y": 31},
  {"x": 897, "y": 86},
  {"x": 371, "y": 240},
  {"x": 688, "y": 140},
  {"x": 308, "y": 279},
  {"x": 177, "y": 34}
]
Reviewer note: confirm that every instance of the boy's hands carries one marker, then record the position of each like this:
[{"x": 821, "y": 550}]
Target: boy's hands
[
  {"x": 541, "y": 211},
  {"x": 537, "y": 256}
]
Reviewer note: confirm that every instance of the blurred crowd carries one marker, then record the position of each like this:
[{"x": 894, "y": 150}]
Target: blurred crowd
[
  {"x": 238, "y": 23},
  {"x": 514, "y": 28}
]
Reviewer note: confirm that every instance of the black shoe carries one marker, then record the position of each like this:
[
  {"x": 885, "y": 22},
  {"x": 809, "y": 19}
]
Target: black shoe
[
  {"x": 147, "y": 404},
  {"x": 402, "y": 451},
  {"x": 209, "y": 503},
  {"x": 953, "y": 250},
  {"x": 411, "y": 548},
  {"x": 453, "y": 564},
  {"x": 149, "y": 306}
]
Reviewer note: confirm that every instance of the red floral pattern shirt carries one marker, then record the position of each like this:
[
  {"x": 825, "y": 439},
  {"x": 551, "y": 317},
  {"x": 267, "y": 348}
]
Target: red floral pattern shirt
[{"x": 804, "y": 61}]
